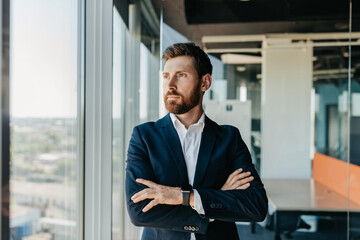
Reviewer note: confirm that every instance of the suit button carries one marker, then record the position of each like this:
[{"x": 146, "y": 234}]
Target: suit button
[
  {"x": 197, "y": 229},
  {"x": 186, "y": 228},
  {"x": 219, "y": 205},
  {"x": 212, "y": 205},
  {"x": 192, "y": 228}
]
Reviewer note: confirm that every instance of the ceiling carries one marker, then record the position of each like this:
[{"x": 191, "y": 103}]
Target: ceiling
[{"x": 197, "y": 18}]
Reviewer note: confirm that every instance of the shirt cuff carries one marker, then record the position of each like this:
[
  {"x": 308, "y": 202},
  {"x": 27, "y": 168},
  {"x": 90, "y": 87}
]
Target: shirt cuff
[{"x": 198, "y": 203}]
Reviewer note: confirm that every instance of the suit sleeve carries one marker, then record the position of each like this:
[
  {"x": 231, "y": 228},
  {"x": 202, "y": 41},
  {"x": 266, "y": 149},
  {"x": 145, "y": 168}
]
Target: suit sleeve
[
  {"x": 171, "y": 217},
  {"x": 237, "y": 205}
]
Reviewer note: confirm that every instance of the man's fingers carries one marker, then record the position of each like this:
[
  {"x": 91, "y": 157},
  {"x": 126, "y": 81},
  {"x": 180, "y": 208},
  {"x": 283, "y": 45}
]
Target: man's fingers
[
  {"x": 246, "y": 180},
  {"x": 243, "y": 187},
  {"x": 243, "y": 182},
  {"x": 232, "y": 175},
  {"x": 150, "y": 205},
  {"x": 240, "y": 177},
  {"x": 236, "y": 172},
  {"x": 147, "y": 193},
  {"x": 146, "y": 182},
  {"x": 142, "y": 195}
]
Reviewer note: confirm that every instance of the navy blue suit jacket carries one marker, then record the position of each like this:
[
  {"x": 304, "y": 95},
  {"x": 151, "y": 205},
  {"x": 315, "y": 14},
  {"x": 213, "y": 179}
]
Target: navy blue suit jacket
[{"x": 155, "y": 154}]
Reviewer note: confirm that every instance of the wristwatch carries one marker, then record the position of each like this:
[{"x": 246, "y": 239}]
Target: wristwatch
[{"x": 186, "y": 195}]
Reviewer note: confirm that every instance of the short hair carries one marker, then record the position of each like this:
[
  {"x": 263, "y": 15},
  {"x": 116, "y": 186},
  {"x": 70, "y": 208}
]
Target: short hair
[{"x": 201, "y": 60}]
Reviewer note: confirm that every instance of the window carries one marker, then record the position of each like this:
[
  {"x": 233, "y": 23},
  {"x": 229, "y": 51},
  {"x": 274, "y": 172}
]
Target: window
[{"x": 45, "y": 155}]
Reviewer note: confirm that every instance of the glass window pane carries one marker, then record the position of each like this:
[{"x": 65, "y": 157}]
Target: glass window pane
[
  {"x": 44, "y": 121},
  {"x": 119, "y": 29},
  {"x": 354, "y": 141},
  {"x": 144, "y": 79},
  {"x": 294, "y": 72},
  {"x": 135, "y": 95}
]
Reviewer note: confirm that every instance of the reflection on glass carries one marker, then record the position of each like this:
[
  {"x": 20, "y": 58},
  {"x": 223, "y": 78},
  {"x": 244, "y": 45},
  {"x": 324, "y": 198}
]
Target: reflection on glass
[
  {"x": 119, "y": 29},
  {"x": 144, "y": 79},
  {"x": 135, "y": 96},
  {"x": 43, "y": 120},
  {"x": 355, "y": 108},
  {"x": 330, "y": 107},
  {"x": 331, "y": 87},
  {"x": 306, "y": 82},
  {"x": 354, "y": 153}
]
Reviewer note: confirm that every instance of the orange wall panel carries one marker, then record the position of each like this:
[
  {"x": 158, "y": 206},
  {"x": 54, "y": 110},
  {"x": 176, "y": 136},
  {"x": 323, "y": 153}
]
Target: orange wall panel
[{"x": 333, "y": 173}]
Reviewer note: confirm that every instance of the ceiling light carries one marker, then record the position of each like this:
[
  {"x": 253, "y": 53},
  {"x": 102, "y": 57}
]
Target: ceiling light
[
  {"x": 341, "y": 26},
  {"x": 241, "y": 68},
  {"x": 229, "y": 58}
]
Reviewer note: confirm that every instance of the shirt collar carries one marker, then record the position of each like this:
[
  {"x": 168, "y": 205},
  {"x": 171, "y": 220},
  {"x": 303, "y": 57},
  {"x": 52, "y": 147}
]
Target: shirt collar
[{"x": 176, "y": 122}]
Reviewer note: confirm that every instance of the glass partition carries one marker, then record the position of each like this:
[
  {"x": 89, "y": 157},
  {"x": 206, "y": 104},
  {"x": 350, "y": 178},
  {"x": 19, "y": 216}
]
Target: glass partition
[
  {"x": 354, "y": 122},
  {"x": 119, "y": 35},
  {"x": 136, "y": 48},
  {"x": 284, "y": 84},
  {"x": 45, "y": 120}
]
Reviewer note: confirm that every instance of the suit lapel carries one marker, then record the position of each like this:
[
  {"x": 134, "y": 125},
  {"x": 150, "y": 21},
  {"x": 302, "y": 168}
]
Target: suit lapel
[
  {"x": 173, "y": 143},
  {"x": 206, "y": 147}
]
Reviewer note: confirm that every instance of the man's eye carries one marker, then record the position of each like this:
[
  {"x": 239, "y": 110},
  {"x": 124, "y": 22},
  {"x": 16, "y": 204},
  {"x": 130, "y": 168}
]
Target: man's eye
[
  {"x": 165, "y": 77},
  {"x": 182, "y": 75}
]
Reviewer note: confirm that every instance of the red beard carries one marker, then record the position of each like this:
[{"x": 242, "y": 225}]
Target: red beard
[{"x": 186, "y": 104}]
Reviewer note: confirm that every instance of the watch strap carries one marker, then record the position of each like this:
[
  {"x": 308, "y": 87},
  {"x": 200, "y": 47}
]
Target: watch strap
[
  {"x": 186, "y": 197},
  {"x": 186, "y": 191}
]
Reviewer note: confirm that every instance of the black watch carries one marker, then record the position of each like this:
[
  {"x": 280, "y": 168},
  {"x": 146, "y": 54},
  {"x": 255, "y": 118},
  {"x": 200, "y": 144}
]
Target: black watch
[{"x": 186, "y": 195}]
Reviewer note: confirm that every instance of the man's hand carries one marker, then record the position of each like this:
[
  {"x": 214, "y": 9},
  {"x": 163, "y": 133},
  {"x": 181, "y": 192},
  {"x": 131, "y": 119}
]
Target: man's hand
[
  {"x": 159, "y": 193},
  {"x": 238, "y": 180}
]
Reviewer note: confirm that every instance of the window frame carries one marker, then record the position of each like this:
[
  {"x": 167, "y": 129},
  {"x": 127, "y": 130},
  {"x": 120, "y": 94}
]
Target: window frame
[
  {"x": 5, "y": 118},
  {"x": 98, "y": 120}
]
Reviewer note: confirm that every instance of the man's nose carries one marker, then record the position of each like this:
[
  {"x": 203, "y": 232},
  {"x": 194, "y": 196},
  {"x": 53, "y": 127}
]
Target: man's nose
[{"x": 172, "y": 82}]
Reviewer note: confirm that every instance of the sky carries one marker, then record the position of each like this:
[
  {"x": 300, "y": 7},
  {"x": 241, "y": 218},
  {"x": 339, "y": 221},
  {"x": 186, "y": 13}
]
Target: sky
[{"x": 43, "y": 58}]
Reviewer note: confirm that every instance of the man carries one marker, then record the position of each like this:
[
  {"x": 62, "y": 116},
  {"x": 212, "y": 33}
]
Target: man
[{"x": 186, "y": 176}]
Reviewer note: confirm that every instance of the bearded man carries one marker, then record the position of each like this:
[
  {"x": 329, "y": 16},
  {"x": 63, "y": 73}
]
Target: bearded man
[{"x": 186, "y": 176}]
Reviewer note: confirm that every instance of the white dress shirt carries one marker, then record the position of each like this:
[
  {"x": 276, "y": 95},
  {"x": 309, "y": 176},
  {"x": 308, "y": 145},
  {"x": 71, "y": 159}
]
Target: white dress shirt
[{"x": 190, "y": 142}]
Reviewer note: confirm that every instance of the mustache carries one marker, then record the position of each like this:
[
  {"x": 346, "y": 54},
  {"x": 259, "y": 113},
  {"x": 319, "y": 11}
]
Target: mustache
[{"x": 172, "y": 93}]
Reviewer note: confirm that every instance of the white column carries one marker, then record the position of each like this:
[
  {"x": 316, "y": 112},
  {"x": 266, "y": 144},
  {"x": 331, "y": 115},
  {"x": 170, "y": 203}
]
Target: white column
[
  {"x": 285, "y": 121},
  {"x": 98, "y": 120},
  {"x": 132, "y": 95}
]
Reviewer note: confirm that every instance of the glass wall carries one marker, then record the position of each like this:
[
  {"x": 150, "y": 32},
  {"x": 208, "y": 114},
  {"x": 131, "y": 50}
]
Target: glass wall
[
  {"x": 45, "y": 128},
  {"x": 354, "y": 123},
  {"x": 136, "y": 49},
  {"x": 285, "y": 84},
  {"x": 290, "y": 85},
  {"x": 119, "y": 36}
]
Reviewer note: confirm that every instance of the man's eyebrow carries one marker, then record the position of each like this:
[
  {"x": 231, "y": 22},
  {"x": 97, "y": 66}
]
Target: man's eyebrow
[{"x": 181, "y": 71}]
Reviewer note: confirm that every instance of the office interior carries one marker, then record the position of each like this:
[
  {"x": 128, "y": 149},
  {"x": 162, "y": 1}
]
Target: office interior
[{"x": 77, "y": 76}]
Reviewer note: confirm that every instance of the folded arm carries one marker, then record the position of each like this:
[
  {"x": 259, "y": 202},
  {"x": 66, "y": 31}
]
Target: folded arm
[
  {"x": 173, "y": 217},
  {"x": 153, "y": 205},
  {"x": 237, "y": 204}
]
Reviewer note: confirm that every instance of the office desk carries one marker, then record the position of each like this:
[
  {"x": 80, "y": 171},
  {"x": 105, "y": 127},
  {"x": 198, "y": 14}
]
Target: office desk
[{"x": 291, "y": 198}]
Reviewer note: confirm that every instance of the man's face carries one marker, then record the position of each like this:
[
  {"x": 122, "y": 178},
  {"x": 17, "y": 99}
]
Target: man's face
[{"x": 181, "y": 85}]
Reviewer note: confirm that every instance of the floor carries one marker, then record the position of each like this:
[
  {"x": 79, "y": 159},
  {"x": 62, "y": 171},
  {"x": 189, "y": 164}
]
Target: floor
[{"x": 327, "y": 230}]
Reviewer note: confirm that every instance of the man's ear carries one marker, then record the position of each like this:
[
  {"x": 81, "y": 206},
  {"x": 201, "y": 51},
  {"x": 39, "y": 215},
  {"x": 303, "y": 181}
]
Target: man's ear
[{"x": 205, "y": 82}]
